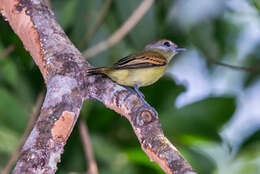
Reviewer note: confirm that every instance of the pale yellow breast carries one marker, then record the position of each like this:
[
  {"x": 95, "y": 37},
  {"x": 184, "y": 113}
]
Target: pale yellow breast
[{"x": 141, "y": 77}]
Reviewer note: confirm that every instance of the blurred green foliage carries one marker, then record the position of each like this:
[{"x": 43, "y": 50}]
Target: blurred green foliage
[{"x": 214, "y": 29}]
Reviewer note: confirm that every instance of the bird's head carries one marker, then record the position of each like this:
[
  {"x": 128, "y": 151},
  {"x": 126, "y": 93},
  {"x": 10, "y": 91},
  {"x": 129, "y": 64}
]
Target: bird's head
[{"x": 165, "y": 47}]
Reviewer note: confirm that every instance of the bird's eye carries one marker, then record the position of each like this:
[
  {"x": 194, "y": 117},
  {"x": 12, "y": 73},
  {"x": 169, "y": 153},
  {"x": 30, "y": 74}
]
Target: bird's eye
[{"x": 167, "y": 44}]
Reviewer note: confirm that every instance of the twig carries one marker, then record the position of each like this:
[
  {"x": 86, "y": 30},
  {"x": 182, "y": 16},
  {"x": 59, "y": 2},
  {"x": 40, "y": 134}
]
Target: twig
[
  {"x": 6, "y": 51},
  {"x": 98, "y": 22},
  {"x": 122, "y": 31},
  {"x": 92, "y": 165},
  {"x": 248, "y": 69},
  {"x": 30, "y": 124}
]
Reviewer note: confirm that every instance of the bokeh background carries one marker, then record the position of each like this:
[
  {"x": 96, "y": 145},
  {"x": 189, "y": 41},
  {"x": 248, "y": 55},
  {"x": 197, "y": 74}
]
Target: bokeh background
[{"x": 211, "y": 113}]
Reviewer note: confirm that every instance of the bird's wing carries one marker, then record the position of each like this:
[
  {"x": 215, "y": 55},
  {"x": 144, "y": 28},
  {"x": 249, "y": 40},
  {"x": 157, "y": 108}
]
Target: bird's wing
[{"x": 141, "y": 60}]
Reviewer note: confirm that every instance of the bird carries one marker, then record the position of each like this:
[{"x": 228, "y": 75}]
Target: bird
[{"x": 142, "y": 68}]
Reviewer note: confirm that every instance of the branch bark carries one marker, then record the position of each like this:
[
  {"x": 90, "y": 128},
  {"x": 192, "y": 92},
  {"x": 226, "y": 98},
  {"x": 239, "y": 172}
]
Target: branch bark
[{"x": 68, "y": 85}]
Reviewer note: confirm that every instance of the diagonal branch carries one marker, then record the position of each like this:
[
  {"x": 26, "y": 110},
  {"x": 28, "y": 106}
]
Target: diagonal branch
[
  {"x": 6, "y": 51},
  {"x": 122, "y": 31},
  {"x": 99, "y": 21},
  {"x": 64, "y": 71},
  {"x": 235, "y": 67},
  {"x": 92, "y": 165}
]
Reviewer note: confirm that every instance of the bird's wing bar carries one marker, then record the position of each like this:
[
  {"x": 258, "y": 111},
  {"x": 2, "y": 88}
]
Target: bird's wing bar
[
  {"x": 125, "y": 60},
  {"x": 137, "y": 66},
  {"x": 143, "y": 60}
]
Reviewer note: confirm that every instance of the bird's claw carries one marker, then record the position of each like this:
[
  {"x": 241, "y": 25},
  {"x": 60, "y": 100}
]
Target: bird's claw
[
  {"x": 141, "y": 95},
  {"x": 130, "y": 93}
]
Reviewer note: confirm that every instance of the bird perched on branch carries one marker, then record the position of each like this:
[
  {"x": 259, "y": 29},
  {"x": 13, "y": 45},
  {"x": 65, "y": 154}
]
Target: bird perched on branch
[{"x": 142, "y": 68}]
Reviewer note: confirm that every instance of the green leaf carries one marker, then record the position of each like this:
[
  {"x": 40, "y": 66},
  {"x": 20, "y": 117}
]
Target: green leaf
[
  {"x": 12, "y": 112},
  {"x": 65, "y": 11},
  {"x": 84, "y": 17},
  {"x": 9, "y": 140},
  {"x": 247, "y": 161},
  {"x": 201, "y": 162},
  {"x": 250, "y": 140},
  {"x": 257, "y": 4},
  {"x": 203, "y": 118},
  {"x": 3, "y": 159},
  {"x": 17, "y": 84},
  {"x": 139, "y": 157}
]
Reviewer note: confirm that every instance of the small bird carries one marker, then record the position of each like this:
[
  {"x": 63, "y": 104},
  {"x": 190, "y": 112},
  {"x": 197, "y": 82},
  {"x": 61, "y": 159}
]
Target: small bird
[{"x": 143, "y": 68}]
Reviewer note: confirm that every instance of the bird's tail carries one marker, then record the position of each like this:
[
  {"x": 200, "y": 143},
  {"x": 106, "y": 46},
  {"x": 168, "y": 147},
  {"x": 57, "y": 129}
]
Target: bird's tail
[{"x": 101, "y": 70}]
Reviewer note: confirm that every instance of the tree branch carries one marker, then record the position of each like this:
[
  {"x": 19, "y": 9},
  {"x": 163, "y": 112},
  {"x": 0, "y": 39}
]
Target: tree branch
[
  {"x": 92, "y": 165},
  {"x": 68, "y": 85},
  {"x": 234, "y": 67},
  {"x": 122, "y": 31},
  {"x": 100, "y": 19}
]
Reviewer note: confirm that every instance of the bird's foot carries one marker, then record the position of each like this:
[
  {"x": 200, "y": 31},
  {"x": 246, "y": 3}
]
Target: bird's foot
[
  {"x": 133, "y": 92},
  {"x": 139, "y": 93},
  {"x": 141, "y": 96},
  {"x": 145, "y": 105},
  {"x": 130, "y": 93}
]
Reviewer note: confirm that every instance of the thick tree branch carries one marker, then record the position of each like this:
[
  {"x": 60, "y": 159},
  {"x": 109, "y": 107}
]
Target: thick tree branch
[{"x": 68, "y": 85}]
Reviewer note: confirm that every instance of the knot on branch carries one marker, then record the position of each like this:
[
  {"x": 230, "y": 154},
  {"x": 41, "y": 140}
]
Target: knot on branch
[{"x": 144, "y": 117}]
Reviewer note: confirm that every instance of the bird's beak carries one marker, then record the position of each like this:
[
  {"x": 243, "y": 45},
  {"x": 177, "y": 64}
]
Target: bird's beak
[{"x": 178, "y": 50}]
